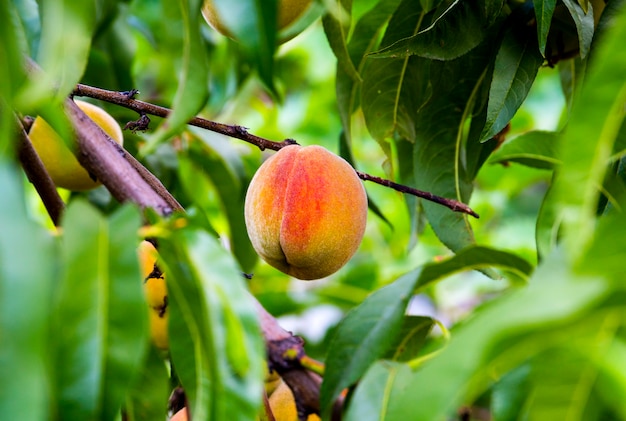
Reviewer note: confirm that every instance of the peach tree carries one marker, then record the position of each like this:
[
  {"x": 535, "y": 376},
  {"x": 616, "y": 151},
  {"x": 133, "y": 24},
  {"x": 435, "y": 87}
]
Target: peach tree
[{"x": 489, "y": 137}]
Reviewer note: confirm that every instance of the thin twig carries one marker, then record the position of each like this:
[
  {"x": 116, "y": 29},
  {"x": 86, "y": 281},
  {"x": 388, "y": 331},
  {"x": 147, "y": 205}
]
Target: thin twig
[{"x": 125, "y": 100}]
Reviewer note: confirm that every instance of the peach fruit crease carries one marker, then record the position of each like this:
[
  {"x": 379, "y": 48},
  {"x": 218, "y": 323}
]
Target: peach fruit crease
[{"x": 306, "y": 211}]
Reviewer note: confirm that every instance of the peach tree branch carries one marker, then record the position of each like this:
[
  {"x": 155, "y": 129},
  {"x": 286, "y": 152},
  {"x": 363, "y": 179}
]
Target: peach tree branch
[{"x": 127, "y": 100}]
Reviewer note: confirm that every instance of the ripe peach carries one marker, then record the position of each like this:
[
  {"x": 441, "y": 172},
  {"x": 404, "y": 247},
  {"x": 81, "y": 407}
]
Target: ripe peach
[{"x": 305, "y": 211}]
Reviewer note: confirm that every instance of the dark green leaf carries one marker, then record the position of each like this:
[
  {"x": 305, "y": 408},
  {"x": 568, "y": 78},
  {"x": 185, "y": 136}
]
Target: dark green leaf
[
  {"x": 364, "y": 335},
  {"x": 572, "y": 73},
  {"x": 364, "y": 37},
  {"x": 455, "y": 31},
  {"x": 148, "y": 395},
  {"x": 516, "y": 66},
  {"x": 192, "y": 91},
  {"x": 27, "y": 279},
  {"x": 535, "y": 149},
  {"x": 393, "y": 89},
  {"x": 101, "y": 317},
  {"x": 543, "y": 12},
  {"x": 215, "y": 341},
  {"x": 584, "y": 25}
]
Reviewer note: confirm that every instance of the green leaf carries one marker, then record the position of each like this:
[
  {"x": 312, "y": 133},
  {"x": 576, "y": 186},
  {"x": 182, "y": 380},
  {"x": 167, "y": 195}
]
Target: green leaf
[
  {"x": 510, "y": 393},
  {"x": 253, "y": 23},
  {"x": 66, "y": 31},
  {"x": 336, "y": 33},
  {"x": 612, "y": 375},
  {"x": 27, "y": 279},
  {"x": 224, "y": 170},
  {"x": 192, "y": 92},
  {"x": 372, "y": 393},
  {"x": 393, "y": 89},
  {"x": 215, "y": 342},
  {"x": 475, "y": 257},
  {"x": 11, "y": 74},
  {"x": 454, "y": 31},
  {"x": 411, "y": 338},
  {"x": 587, "y": 143},
  {"x": 584, "y": 25},
  {"x": 490, "y": 343},
  {"x": 366, "y": 332},
  {"x": 149, "y": 392},
  {"x": 364, "y": 38},
  {"x": 543, "y": 12},
  {"x": 363, "y": 335},
  {"x": 516, "y": 67},
  {"x": 101, "y": 318},
  {"x": 439, "y": 152},
  {"x": 537, "y": 149}
]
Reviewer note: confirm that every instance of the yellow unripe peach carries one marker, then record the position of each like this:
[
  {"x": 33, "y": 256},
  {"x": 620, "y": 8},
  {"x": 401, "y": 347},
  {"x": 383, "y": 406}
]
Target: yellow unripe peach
[
  {"x": 306, "y": 211},
  {"x": 283, "y": 405},
  {"x": 155, "y": 289},
  {"x": 288, "y": 12},
  {"x": 59, "y": 160}
]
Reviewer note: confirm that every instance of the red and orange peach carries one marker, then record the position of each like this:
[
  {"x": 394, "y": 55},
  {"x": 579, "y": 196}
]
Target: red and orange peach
[{"x": 306, "y": 211}]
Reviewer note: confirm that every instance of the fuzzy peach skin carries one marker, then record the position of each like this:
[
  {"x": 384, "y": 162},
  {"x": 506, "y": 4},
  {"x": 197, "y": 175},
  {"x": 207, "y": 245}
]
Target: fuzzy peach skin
[{"x": 306, "y": 211}]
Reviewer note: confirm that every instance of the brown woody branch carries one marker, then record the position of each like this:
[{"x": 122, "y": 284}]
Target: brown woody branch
[
  {"x": 126, "y": 99},
  {"x": 37, "y": 174}
]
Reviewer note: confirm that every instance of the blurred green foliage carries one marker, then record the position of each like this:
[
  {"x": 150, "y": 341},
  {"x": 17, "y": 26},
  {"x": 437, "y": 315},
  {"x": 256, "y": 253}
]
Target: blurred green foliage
[{"x": 514, "y": 107}]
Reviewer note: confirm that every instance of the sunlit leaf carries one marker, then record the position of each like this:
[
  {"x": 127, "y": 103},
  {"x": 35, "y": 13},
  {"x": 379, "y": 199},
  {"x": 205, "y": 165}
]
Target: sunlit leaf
[
  {"x": 215, "y": 342},
  {"x": 101, "y": 315},
  {"x": 192, "y": 91},
  {"x": 464, "y": 368},
  {"x": 588, "y": 140},
  {"x": 66, "y": 31},
  {"x": 27, "y": 279}
]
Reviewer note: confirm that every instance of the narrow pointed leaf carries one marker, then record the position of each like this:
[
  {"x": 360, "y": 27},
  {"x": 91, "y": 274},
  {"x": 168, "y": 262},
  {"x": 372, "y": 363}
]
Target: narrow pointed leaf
[
  {"x": 543, "y": 12},
  {"x": 516, "y": 66}
]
